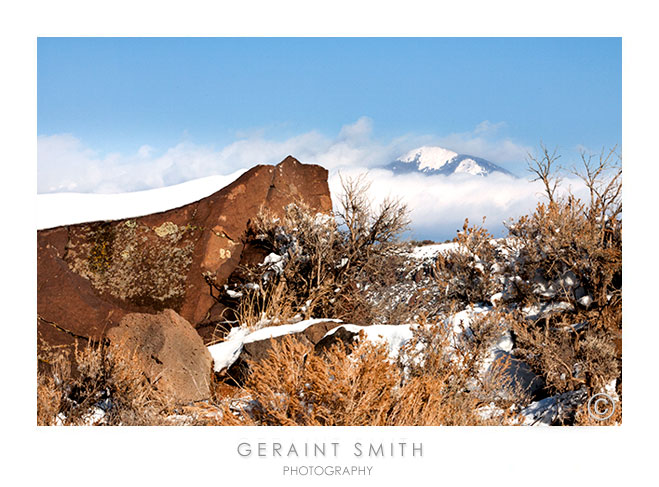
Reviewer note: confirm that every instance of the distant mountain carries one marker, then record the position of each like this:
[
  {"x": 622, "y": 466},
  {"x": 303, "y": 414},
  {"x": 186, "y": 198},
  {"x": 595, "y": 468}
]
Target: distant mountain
[{"x": 437, "y": 160}]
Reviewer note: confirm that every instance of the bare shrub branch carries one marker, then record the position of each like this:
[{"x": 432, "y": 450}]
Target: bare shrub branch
[
  {"x": 546, "y": 170},
  {"x": 603, "y": 178}
]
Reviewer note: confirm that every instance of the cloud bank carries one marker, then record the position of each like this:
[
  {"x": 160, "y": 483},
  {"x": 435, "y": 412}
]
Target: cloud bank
[
  {"x": 438, "y": 204},
  {"x": 66, "y": 164}
]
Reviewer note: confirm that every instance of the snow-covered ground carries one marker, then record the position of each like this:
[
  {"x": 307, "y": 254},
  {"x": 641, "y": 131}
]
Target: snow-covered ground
[{"x": 55, "y": 209}]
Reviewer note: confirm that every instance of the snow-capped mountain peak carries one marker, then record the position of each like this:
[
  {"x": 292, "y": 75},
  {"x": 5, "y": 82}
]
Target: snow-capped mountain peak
[
  {"x": 429, "y": 157},
  {"x": 431, "y": 160}
]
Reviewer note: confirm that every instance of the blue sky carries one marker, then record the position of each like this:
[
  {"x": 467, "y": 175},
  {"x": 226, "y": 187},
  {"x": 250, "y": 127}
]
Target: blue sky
[
  {"x": 128, "y": 114},
  {"x": 117, "y": 94}
]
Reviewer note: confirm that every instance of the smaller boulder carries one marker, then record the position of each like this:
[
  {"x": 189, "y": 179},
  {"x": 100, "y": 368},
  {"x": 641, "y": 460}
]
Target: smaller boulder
[
  {"x": 259, "y": 350},
  {"x": 515, "y": 374},
  {"x": 341, "y": 335},
  {"x": 170, "y": 352}
]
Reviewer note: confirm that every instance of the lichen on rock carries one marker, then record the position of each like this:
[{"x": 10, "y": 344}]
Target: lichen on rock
[
  {"x": 167, "y": 228},
  {"x": 132, "y": 263}
]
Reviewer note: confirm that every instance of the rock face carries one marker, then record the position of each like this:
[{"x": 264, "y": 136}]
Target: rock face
[
  {"x": 91, "y": 275},
  {"x": 169, "y": 351}
]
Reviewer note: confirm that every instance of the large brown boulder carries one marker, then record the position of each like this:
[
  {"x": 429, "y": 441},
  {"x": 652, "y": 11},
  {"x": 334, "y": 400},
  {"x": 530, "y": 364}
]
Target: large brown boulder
[
  {"x": 169, "y": 352},
  {"x": 90, "y": 275}
]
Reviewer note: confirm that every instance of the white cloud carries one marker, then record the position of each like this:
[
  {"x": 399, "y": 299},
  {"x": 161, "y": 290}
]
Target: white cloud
[
  {"x": 483, "y": 144},
  {"x": 145, "y": 151},
  {"x": 66, "y": 164},
  {"x": 439, "y": 205},
  {"x": 487, "y": 127},
  {"x": 359, "y": 131}
]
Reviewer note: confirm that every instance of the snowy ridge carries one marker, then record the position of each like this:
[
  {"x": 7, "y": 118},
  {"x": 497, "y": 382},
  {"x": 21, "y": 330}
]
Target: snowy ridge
[{"x": 55, "y": 209}]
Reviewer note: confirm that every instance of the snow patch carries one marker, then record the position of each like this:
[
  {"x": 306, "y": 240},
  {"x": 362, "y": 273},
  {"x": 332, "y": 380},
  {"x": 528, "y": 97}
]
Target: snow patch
[
  {"x": 429, "y": 157},
  {"x": 395, "y": 336},
  {"x": 227, "y": 352},
  {"x": 469, "y": 166},
  {"x": 430, "y": 251}
]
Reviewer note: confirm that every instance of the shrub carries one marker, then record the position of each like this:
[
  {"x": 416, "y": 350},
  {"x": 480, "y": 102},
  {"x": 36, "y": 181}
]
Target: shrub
[
  {"x": 566, "y": 355},
  {"x": 320, "y": 265},
  {"x": 468, "y": 274},
  {"x": 570, "y": 252},
  {"x": 568, "y": 249},
  {"x": 566, "y": 254}
]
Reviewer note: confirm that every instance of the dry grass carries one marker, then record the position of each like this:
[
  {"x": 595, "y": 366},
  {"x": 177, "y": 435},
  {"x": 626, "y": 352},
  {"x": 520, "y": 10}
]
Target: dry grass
[
  {"x": 97, "y": 384},
  {"x": 432, "y": 383}
]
